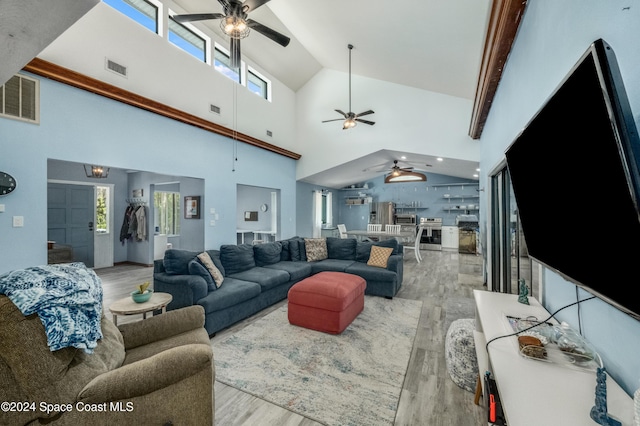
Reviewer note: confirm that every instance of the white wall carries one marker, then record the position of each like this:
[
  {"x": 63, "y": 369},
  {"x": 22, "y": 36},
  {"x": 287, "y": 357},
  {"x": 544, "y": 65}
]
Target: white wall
[
  {"x": 161, "y": 71},
  {"x": 406, "y": 118}
]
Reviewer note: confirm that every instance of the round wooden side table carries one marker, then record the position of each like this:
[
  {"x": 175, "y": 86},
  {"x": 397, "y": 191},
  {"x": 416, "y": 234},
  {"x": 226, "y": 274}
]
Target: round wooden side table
[{"x": 127, "y": 306}]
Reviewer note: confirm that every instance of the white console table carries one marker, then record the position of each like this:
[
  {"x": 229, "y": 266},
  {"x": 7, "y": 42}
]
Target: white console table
[{"x": 536, "y": 392}]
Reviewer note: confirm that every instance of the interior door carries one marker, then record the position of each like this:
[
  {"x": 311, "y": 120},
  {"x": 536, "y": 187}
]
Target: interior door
[{"x": 70, "y": 219}]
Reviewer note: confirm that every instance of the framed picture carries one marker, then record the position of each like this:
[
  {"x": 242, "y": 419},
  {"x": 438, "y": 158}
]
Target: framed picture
[{"x": 192, "y": 207}]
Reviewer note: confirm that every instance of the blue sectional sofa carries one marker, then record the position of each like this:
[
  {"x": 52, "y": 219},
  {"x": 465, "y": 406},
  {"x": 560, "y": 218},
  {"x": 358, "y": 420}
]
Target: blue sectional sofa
[{"x": 258, "y": 276}]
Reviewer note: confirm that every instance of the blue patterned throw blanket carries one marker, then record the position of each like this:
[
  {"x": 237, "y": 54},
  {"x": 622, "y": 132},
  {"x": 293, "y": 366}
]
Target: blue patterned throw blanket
[{"x": 67, "y": 297}]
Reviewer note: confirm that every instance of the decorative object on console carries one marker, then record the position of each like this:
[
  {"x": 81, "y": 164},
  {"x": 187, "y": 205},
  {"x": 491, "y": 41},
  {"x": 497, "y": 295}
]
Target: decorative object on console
[
  {"x": 599, "y": 410},
  {"x": 96, "y": 172},
  {"x": 524, "y": 292}
]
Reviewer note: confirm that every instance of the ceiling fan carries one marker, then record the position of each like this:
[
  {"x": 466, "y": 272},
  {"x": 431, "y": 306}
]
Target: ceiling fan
[
  {"x": 399, "y": 174},
  {"x": 351, "y": 119},
  {"x": 236, "y": 25}
]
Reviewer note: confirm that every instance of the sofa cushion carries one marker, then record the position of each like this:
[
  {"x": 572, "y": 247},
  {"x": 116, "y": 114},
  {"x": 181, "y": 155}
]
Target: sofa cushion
[
  {"x": 236, "y": 258},
  {"x": 267, "y": 253},
  {"x": 266, "y": 277},
  {"x": 363, "y": 249},
  {"x": 296, "y": 270},
  {"x": 176, "y": 262},
  {"x": 197, "y": 268},
  {"x": 285, "y": 254},
  {"x": 208, "y": 263},
  {"x": 233, "y": 291},
  {"x": 336, "y": 265},
  {"x": 294, "y": 248},
  {"x": 302, "y": 250},
  {"x": 379, "y": 256},
  {"x": 371, "y": 273},
  {"x": 315, "y": 249},
  {"x": 341, "y": 248}
]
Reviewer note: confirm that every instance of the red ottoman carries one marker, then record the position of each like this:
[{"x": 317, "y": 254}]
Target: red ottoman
[{"x": 326, "y": 301}]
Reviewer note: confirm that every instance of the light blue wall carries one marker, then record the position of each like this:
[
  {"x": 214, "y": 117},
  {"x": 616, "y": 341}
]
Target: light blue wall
[
  {"x": 82, "y": 127},
  {"x": 552, "y": 37}
]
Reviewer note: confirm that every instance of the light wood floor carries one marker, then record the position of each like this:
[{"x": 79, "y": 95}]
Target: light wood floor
[{"x": 429, "y": 396}]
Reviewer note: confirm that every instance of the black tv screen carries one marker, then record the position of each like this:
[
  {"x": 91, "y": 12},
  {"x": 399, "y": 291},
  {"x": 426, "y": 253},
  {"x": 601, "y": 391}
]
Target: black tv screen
[{"x": 575, "y": 175}]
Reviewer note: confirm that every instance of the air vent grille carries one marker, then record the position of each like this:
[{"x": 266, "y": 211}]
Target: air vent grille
[
  {"x": 269, "y": 133},
  {"x": 215, "y": 109},
  {"x": 116, "y": 67}
]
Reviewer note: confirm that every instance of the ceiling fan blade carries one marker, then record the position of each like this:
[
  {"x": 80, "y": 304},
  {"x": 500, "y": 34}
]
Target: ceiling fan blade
[
  {"x": 371, "y": 123},
  {"x": 250, "y": 5},
  {"x": 342, "y": 112},
  {"x": 234, "y": 48},
  {"x": 365, "y": 113},
  {"x": 335, "y": 119},
  {"x": 197, "y": 17},
  {"x": 281, "y": 39},
  {"x": 406, "y": 169}
]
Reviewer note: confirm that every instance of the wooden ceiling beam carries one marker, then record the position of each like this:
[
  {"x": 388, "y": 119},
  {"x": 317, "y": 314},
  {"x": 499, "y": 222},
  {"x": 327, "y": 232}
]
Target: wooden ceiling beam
[{"x": 503, "y": 25}]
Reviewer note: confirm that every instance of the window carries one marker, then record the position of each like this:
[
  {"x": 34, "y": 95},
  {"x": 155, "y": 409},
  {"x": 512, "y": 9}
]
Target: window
[
  {"x": 19, "y": 98},
  {"x": 102, "y": 209},
  {"x": 188, "y": 39},
  {"x": 144, "y": 12},
  {"x": 221, "y": 63},
  {"x": 258, "y": 84},
  {"x": 167, "y": 210},
  {"x": 327, "y": 208}
]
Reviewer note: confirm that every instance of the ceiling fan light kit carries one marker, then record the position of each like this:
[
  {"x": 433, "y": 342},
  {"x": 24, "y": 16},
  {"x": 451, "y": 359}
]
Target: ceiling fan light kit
[
  {"x": 235, "y": 24},
  {"x": 402, "y": 177},
  {"x": 403, "y": 174},
  {"x": 351, "y": 119}
]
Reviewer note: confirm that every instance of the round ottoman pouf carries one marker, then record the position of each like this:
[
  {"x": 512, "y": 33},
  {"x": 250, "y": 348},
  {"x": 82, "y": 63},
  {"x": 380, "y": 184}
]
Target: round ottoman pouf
[{"x": 460, "y": 354}]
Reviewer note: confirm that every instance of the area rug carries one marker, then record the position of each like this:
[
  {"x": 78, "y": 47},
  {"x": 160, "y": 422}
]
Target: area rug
[{"x": 354, "y": 378}]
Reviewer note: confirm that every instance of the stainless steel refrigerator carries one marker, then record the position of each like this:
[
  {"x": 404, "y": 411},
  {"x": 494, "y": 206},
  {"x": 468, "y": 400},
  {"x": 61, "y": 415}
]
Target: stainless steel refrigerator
[{"x": 382, "y": 213}]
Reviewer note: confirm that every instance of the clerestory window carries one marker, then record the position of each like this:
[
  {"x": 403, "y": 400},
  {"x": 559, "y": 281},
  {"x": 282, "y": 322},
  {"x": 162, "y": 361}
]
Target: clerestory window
[{"x": 144, "y": 12}]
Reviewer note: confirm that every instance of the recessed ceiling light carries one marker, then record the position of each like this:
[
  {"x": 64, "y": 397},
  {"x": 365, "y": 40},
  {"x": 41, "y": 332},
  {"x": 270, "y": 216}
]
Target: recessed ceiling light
[
  {"x": 477, "y": 170},
  {"x": 403, "y": 157},
  {"x": 439, "y": 159},
  {"x": 475, "y": 175}
]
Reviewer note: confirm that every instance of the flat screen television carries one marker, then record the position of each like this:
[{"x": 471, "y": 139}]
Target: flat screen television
[{"x": 576, "y": 181}]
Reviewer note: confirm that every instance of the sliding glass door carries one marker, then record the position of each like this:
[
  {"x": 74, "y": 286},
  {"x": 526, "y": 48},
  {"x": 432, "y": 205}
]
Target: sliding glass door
[{"x": 509, "y": 256}]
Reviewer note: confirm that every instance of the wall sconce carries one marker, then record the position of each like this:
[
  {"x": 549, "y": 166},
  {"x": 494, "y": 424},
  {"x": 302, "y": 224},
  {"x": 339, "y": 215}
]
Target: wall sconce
[{"x": 96, "y": 172}]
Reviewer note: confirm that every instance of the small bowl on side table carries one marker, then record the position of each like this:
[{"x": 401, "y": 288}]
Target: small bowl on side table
[{"x": 141, "y": 297}]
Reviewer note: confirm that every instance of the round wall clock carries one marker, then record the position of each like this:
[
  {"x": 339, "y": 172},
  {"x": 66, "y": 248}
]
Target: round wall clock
[
  {"x": 7, "y": 183},
  {"x": 264, "y": 207}
]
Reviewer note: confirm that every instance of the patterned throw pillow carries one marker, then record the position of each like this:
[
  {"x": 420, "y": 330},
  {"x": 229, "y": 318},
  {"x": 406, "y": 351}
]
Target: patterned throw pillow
[
  {"x": 379, "y": 256},
  {"x": 215, "y": 272},
  {"x": 316, "y": 249}
]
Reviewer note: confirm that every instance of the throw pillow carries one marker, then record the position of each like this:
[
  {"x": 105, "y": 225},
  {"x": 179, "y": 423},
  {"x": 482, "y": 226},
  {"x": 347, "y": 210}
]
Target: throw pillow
[
  {"x": 315, "y": 248},
  {"x": 379, "y": 256},
  {"x": 215, "y": 272},
  {"x": 197, "y": 268}
]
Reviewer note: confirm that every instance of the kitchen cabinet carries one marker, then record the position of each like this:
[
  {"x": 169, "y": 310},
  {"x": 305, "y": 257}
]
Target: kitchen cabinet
[{"x": 450, "y": 237}]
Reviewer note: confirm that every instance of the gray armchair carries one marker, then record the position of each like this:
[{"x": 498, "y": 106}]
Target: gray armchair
[{"x": 156, "y": 371}]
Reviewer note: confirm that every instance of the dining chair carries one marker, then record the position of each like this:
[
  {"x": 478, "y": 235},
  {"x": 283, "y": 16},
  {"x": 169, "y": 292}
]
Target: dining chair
[
  {"x": 373, "y": 227},
  {"x": 392, "y": 229},
  {"x": 343, "y": 230}
]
